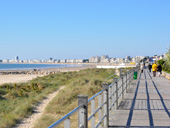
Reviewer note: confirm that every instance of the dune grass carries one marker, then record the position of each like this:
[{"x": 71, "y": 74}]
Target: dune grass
[
  {"x": 86, "y": 82},
  {"x": 17, "y": 100}
]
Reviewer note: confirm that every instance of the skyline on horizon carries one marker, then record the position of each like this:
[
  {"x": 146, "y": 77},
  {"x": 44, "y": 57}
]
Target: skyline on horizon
[
  {"x": 81, "y": 29},
  {"x": 50, "y": 58}
]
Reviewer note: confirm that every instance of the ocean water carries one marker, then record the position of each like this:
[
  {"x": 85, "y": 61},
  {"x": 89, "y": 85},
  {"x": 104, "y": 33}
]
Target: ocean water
[{"x": 34, "y": 66}]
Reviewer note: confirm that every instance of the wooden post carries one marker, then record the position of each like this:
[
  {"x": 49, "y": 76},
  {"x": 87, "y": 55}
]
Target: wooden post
[
  {"x": 106, "y": 108},
  {"x": 83, "y": 111},
  {"x": 116, "y": 83}
]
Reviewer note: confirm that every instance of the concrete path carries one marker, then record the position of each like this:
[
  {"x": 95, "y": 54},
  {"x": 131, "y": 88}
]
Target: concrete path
[{"x": 146, "y": 104}]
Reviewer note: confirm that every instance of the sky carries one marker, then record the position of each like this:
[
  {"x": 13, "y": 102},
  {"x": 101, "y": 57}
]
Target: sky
[{"x": 79, "y": 29}]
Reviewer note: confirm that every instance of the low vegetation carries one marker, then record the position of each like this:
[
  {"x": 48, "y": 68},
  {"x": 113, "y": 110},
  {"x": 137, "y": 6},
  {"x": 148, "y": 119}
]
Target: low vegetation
[
  {"x": 87, "y": 82},
  {"x": 17, "y": 100},
  {"x": 165, "y": 63}
]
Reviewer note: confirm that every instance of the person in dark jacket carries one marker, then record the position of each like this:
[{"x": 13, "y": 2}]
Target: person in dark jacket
[
  {"x": 159, "y": 70},
  {"x": 149, "y": 67}
]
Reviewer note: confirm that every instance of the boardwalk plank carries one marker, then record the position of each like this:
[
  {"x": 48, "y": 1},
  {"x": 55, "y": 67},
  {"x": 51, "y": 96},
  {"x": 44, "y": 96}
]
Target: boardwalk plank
[{"x": 158, "y": 97}]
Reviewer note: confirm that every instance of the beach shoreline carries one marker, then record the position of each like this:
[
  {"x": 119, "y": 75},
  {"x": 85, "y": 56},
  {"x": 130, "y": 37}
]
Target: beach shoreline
[
  {"x": 58, "y": 65},
  {"x": 20, "y": 78}
]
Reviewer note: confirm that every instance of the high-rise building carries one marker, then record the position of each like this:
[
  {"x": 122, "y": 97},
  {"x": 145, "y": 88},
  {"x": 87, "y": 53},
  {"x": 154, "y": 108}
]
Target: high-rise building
[
  {"x": 51, "y": 59},
  {"x": 16, "y": 58},
  {"x": 104, "y": 59},
  {"x": 128, "y": 57},
  {"x": 95, "y": 59}
]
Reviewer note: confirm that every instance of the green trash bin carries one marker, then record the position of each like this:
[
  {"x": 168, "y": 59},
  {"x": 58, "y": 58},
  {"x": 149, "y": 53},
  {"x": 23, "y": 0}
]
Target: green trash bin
[{"x": 135, "y": 75}]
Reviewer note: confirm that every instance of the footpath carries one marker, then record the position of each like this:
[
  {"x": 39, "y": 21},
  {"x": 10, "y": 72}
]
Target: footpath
[{"x": 38, "y": 111}]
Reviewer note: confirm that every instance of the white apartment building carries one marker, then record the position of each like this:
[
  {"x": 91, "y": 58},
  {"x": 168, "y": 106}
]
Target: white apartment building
[
  {"x": 112, "y": 60},
  {"x": 95, "y": 59},
  {"x": 5, "y": 61},
  {"x": 119, "y": 60},
  {"x": 63, "y": 61},
  {"x": 104, "y": 59}
]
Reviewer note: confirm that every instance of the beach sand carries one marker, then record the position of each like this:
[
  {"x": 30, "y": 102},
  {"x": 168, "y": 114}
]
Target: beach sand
[{"x": 19, "y": 78}]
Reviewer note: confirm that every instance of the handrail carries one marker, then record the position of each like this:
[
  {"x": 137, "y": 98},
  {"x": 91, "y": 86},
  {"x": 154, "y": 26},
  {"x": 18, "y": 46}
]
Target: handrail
[
  {"x": 111, "y": 95},
  {"x": 64, "y": 118},
  {"x": 96, "y": 111},
  {"x": 100, "y": 121},
  {"x": 110, "y": 76},
  {"x": 95, "y": 96},
  {"x": 111, "y": 84}
]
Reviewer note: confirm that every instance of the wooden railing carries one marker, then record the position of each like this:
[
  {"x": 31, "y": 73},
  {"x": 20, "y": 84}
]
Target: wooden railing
[{"x": 107, "y": 100}]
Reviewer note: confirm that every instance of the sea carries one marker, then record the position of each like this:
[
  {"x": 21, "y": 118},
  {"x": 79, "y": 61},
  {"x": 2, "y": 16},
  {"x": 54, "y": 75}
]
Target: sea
[{"x": 7, "y": 66}]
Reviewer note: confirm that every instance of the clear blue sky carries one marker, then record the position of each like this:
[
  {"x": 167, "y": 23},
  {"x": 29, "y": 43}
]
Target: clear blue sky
[{"x": 83, "y": 28}]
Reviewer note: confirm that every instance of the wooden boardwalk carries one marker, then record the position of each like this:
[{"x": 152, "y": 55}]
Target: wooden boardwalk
[{"x": 146, "y": 104}]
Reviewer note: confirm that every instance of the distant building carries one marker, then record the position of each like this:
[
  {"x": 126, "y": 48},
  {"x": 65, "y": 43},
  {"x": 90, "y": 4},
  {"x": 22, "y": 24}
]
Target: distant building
[
  {"x": 12, "y": 61},
  {"x": 56, "y": 61},
  {"x": 128, "y": 57},
  {"x": 85, "y": 60},
  {"x": 137, "y": 59},
  {"x": 119, "y": 60},
  {"x": 21, "y": 61},
  {"x": 5, "y": 61},
  {"x": 112, "y": 60},
  {"x": 37, "y": 61},
  {"x": 94, "y": 59},
  {"x": 16, "y": 58},
  {"x": 63, "y": 61},
  {"x": 161, "y": 57},
  {"x": 79, "y": 61},
  {"x": 25, "y": 61},
  {"x": 51, "y": 59},
  {"x": 104, "y": 59},
  {"x": 43, "y": 61},
  {"x": 70, "y": 61}
]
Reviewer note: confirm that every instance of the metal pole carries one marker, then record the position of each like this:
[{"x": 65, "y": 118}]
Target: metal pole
[
  {"x": 100, "y": 111},
  {"x": 67, "y": 123},
  {"x": 122, "y": 87},
  {"x": 126, "y": 82},
  {"x": 120, "y": 72},
  {"x": 92, "y": 112},
  {"x": 106, "y": 108},
  {"x": 110, "y": 99},
  {"x": 83, "y": 111},
  {"x": 127, "y": 76},
  {"x": 116, "y": 83},
  {"x": 113, "y": 92},
  {"x": 130, "y": 77}
]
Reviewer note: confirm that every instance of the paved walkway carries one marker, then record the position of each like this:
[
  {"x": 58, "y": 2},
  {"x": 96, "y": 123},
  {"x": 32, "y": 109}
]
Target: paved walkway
[{"x": 146, "y": 104}]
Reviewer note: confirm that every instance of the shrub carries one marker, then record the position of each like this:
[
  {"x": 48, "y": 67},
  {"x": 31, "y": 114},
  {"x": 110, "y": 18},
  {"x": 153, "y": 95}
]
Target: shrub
[
  {"x": 161, "y": 62},
  {"x": 166, "y": 65}
]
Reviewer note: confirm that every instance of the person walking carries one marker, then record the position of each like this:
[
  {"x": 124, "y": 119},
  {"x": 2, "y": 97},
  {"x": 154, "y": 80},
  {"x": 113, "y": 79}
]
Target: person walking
[
  {"x": 141, "y": 68},
  {"x": 159, "y": 70},
  {"x": 144, "y": 65},
  {"x": 149, "y": 67},
  {"x": 154, "y": 69}
]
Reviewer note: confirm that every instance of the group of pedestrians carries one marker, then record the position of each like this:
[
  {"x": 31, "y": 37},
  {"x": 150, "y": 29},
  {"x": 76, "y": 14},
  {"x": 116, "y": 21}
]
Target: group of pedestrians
[{"x": 154, "y": 67}]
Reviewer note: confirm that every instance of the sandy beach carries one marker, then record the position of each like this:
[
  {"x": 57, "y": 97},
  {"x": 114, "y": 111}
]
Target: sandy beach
[{"x": 18, "y": 78}]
